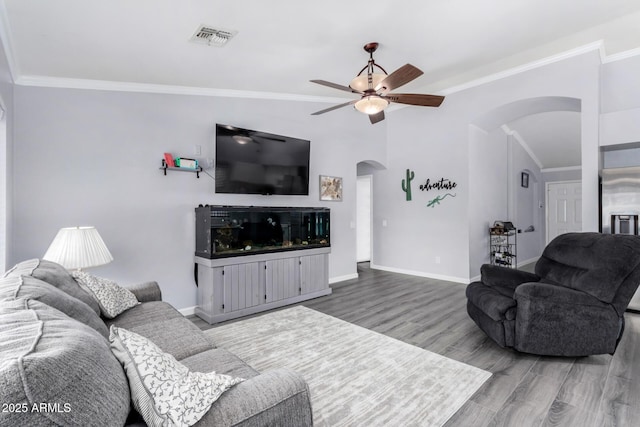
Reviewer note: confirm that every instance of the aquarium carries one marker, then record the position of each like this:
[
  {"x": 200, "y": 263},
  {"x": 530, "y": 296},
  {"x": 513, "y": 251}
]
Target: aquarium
[{"x": 223, "y": 231}]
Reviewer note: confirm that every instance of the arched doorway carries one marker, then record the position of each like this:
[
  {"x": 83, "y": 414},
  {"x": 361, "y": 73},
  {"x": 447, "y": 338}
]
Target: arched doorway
[{"x": 500, "y": 158}]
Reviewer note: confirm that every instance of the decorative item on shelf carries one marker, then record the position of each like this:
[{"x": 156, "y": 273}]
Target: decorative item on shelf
[
  {"x": 183, "y": 162},
  {"x": 406, "y": 185},
  {"x": 180, "y": 164},
  {"x": 78, "y": 248},
  {"x": 168, "y": 159},
  {"x": 330, "y": 188}
]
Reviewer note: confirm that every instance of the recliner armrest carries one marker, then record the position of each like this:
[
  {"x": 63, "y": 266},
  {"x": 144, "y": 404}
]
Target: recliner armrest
[
  {"x": 494, "y": 275},
  {"x": 555, "y": 320},
  {"x": 557, "y": 294},
  {"x": 147, "y": 291}
]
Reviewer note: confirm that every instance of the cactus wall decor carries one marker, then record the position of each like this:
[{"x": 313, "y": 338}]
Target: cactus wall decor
[{"x": 406, "y": 185}]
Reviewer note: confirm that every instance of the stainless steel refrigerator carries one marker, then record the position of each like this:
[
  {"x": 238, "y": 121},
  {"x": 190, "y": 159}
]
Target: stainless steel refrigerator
[{"x": 621, "y": 206}]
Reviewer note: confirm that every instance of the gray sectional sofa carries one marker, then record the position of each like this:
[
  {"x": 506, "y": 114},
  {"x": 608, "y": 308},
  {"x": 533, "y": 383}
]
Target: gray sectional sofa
[{"x": 56, "y": 366}]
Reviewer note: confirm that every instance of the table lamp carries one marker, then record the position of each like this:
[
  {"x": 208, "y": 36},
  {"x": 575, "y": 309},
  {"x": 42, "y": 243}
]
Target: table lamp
[{"x": 78, "y": 248}]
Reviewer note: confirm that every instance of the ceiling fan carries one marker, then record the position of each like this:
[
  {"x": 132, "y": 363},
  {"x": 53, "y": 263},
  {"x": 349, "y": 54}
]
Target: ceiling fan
[{"x": 374, "y": 89}]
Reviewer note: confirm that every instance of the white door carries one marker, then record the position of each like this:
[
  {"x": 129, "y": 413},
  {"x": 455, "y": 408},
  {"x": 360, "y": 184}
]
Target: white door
[
  {"x": 363, "y": 218},
  {"x": 564, "y": 208}
]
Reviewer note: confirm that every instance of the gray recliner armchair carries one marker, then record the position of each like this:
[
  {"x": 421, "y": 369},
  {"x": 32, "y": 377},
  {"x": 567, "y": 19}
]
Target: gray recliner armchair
[{"x": 572, "y": 306}]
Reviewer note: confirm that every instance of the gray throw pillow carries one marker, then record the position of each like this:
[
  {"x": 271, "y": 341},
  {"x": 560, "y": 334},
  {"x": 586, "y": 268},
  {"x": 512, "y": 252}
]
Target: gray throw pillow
[
  {"x": 55, "y": 275},
  {"x": 28, "y": 287},
  {"x": 56, "y": 371}
]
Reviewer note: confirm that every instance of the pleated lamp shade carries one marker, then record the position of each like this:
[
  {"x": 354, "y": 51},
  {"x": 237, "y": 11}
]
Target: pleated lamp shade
[{"x": 77, "y": 248}]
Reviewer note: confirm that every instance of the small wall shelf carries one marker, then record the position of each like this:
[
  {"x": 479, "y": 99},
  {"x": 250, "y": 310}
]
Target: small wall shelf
[{"x": 165, "y": 168}]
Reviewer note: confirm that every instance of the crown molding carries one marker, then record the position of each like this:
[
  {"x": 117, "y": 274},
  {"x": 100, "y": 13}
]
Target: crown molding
[
  {"x": 507, "y": 130},
  {"x": 598, "y": 45},
  {"x": 561, "y": 169},
  {"x": 69, "y": 83},
  {"x": 621, "y": 55},
  {"x": 108, "y": 85}
]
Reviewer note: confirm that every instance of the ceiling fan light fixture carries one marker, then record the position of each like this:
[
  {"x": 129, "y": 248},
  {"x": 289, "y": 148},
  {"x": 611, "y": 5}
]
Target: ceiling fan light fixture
[
  {"x": 361, "y": 82},
  {"x": 241, "y": 139},
  {"x": 371, "y": 104}
]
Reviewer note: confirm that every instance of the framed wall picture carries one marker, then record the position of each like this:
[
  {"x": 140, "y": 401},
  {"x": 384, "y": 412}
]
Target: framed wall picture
[
  {"x": 524, "y": 180},
  {"x": 330, "y": 188}
]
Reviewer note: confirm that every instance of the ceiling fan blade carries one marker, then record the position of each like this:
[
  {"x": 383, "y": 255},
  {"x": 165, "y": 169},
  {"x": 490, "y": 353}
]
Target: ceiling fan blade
[
  {"x": 415, "y": 99},
  {"x": 399, "y": 77},
  {"x": 335, "y": 86},
  {"x": 335, "y": 107},
  {"x": 375, "y": 118}
]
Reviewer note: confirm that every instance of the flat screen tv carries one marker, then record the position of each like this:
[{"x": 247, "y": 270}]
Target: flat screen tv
[{"x": 254, "y": 162}]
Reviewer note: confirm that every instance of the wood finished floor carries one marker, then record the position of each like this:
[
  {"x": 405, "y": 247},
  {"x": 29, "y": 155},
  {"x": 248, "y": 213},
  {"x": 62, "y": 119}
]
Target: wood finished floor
[{"x": 524, "y": 390}]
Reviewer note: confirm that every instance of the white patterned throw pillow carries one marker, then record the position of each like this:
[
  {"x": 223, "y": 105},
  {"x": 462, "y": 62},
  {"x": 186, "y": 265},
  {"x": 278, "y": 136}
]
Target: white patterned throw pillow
[
  {"x": 112, "y": 298},
  {"x": 163, "y": 390}
]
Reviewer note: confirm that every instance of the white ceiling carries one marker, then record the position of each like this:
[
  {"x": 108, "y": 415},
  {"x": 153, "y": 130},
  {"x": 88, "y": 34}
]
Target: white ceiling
[{"x": 281, "y": 45}]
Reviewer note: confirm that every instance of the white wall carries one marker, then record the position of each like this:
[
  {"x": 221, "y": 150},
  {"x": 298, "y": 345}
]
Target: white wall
[
  {"x": 620, "y": 120},
  {"x": 96, "y": 155},
  {"x": 6, "y": 167},
  {"x": 528, "y": 211},
  {"x": 86, "y": 157},
  {"x": 435, "y": 143},
  {"x": 488, "y": 190}
]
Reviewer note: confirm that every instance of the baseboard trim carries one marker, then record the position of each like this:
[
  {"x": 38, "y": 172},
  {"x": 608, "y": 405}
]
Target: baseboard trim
[
  {"x": 420, "y": 274},
  {"x": 188, "y": 311},
  {"x": 344, "y": 278}
]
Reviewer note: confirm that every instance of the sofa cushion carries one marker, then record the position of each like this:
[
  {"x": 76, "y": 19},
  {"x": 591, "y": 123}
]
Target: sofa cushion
[
  {"x": 142, "y": 314},
  {"x": 28, "y": 287},
  {"x": 112, "y": 298},
  {"x": 56, "y": 275},
  {"x": 163, "y": 390},
  {"x": 221, "y": 361},
  {"x": 590, "y": 262},
  {"x": 50, "y": 359},
  {"x": 166, "y": 327}
]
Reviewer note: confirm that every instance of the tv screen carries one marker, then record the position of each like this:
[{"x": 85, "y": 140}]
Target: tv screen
[{"x": 253, "y": 162}]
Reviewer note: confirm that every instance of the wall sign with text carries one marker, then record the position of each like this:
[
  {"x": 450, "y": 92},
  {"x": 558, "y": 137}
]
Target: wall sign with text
[{"x": 429, "y": 185}]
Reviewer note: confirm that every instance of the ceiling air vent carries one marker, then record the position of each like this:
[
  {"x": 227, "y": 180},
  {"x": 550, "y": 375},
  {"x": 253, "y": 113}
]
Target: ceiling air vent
[{"x": 207, "y": 34}]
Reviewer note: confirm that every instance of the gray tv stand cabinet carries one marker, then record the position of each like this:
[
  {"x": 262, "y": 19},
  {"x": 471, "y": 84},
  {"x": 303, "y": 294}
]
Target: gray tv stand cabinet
[{"x": 233, "y": 287}]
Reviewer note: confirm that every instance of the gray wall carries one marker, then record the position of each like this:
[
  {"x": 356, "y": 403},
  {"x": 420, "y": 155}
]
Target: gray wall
[
  {"x": 6, "y": 166},
  {"x": 619, "y": 123},
  {"x": 87, "y": 157},
  {"x": 435, "y": 143},
  {"x": 92, "y": 158}
]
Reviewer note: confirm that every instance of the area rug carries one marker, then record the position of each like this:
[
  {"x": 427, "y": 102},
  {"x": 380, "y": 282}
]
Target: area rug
[{"x": 356, "y": 377}]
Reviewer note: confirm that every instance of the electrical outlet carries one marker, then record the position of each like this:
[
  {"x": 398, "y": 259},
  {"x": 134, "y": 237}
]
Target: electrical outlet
[
  {"x": 437, "y": 260},
  {"x": 197, "y": 150}
]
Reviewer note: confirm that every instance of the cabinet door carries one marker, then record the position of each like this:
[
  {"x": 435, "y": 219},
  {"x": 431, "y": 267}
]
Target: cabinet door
[
  {"x": 241, "y": 286},
  {"x": 282, "y": 279},
  {"x": 210, "y": 291},
  {"x": 313, "y": 273}
]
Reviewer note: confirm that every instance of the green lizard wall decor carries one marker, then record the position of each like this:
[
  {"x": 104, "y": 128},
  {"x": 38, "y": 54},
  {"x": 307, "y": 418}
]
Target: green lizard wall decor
[{"x": 432, "y": 203}]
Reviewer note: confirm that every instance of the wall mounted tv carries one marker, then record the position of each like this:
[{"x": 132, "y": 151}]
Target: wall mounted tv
[{"x": 254, "y": 162}]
